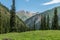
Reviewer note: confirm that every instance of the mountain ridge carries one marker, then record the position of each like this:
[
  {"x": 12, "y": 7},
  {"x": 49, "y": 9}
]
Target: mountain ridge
[
  {"x": 50, "y": 12},
  {"x": 24, "y": 14}
]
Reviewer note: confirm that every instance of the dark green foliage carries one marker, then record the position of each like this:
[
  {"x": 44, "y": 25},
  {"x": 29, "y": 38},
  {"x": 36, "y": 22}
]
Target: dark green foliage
[
  {"x": 0, "y": 22},
  {"x": 55, "y": 21},
  {"x": 4, "y": 26},
  {"x": 48, "y": 27},
  {"x": 20, "y": 26},
  {"x": 41, "y": 26},
  {"x": 44, "y": 21},
  {"x": 5, "y": 22},
  {"x": 13, "y": 17}
]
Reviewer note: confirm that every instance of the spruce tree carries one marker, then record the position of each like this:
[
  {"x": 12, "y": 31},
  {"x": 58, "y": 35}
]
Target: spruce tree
[
  {"x": 42, "y": 22},
  {"x": 48, "y": 22},
  {"x": 55, "y": 20},
  {"x": 45, "y": 23},
  {"x": 12, "y": 17}
]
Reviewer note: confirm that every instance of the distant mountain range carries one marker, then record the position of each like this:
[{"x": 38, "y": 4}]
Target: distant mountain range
[
  {"x": 24, "y": 15},
  {"x": 37, "y": 18}
]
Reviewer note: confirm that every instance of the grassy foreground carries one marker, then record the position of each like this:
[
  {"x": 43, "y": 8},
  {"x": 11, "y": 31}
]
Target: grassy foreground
[{"x": 33, "y": 35}]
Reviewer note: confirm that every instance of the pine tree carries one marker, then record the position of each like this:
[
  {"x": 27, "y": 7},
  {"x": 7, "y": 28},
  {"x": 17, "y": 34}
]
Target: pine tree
[
  {"x": 12, "y": 17},
  {"x": 41, "y": 24},
  {"x": 55, "y": 20},
  {"x": 44, "y": 23},
  {"x": 48, "y": 22}
]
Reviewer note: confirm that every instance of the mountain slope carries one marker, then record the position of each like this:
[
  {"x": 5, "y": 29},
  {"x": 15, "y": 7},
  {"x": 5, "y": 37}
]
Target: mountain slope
[
  {"x": 5, "y": 19},
  {"x": 30, "y": 21}
]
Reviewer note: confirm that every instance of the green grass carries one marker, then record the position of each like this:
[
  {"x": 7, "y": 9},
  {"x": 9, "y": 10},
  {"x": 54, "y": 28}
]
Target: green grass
[{"x": 33, "y": 35}]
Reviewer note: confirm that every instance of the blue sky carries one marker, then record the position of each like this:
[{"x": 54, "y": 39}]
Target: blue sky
[{"x": 32, "y": 5}]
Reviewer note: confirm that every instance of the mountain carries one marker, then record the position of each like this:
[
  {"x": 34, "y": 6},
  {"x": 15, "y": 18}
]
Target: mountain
[
  {"x": 24, "y": 15},
  {"x": 5, "y": 19},
  {"x": 37, "y": 18}
]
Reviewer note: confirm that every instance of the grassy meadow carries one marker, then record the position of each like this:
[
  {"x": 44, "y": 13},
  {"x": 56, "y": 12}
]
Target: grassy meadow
[{"x": 33, "y": 35}]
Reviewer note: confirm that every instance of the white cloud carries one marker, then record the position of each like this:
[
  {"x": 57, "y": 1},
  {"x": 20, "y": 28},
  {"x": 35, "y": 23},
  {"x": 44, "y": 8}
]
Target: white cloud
[
  {"x": 52, "y": 2},
  {"x": 27, "y": 0}
]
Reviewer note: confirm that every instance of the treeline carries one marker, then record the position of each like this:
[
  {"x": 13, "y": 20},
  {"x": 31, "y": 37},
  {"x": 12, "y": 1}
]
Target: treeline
[{"x": 45, "y": 22}]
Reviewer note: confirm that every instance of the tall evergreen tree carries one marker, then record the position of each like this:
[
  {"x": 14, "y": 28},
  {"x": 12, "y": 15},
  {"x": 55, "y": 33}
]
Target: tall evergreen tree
[
  {"x": 48, "y": 27},
  {"x": 13, "y": 17},
  {"x": 42, "y": 23},
  {"x": 55, "y": 20},
  {"x": 45, "y": 23}
]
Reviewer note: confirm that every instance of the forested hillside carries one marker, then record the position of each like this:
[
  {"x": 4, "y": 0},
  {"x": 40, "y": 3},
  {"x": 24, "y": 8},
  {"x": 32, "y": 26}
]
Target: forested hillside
[{"x": 5, "y": 21}]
